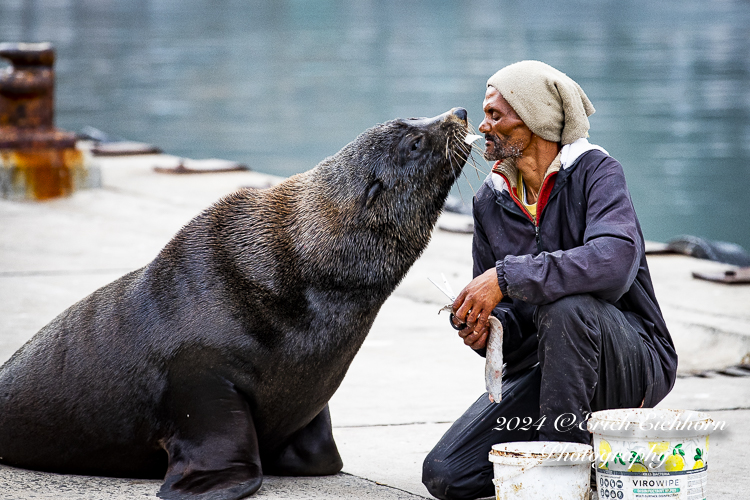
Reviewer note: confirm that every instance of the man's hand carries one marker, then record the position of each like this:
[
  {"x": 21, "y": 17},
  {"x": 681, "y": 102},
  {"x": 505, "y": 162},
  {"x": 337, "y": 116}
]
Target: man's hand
[{"x": 474, "y": 305}]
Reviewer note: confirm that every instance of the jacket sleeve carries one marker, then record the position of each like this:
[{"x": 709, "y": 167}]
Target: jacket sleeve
[
  {"x": 607, "y": 262},
  {"x": 481, "y": 251},
  {"x": 484, "y": 258},
  {"x": 481, "y": 254}
]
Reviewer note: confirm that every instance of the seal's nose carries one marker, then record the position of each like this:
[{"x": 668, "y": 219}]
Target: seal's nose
[{"x": 460, "y": 112}]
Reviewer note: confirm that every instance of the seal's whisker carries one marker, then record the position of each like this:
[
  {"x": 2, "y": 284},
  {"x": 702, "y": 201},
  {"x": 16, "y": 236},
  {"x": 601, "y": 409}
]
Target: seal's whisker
[
  {"x": 462, "y": 143},
  {"x": 456, "y": 158},
  {"x": 471, "y": 160},
  {"x": 460, "y": 194},
  {"x": 476, "y": 168},
  {"x": 474, "y": 193},
  {"x": 453, "y": 168},
  {"x": 476, "y": 147},
  {"x": 462, "y": 146},
  {"x": 474, "y": 160}
]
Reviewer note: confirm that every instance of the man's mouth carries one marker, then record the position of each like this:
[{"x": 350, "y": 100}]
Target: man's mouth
[{"x": 496, "y": 149}]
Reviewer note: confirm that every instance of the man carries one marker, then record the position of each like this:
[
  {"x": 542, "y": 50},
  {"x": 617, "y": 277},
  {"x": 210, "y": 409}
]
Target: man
[{"x": 559, "y": 259}]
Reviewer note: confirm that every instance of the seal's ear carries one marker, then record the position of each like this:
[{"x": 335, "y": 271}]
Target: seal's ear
[{"x": 373, "y": 191}]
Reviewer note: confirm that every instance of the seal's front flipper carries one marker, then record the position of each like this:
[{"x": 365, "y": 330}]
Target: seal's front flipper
[
  {"x": 208, "y": 485},
  {"x": 213, "y": 451},
  {"x": 311, "y": 451}
]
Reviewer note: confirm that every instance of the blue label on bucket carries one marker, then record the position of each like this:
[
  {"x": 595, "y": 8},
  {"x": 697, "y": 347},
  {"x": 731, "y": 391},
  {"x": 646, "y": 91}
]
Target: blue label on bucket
[{"x": 623, "y": 485}]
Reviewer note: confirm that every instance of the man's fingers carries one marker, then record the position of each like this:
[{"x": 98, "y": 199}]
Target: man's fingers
[
  {"x": 473, "y": 336},
  {"x": 480, "y": 342},
  {"x": 474, "y": 315},
  {"x": 459, "y": 301},
  {"x": 474, "y": 305},
  {"x": 481, "y": 325},
  {"x": 465, "y": 332},
  {"x": 462, "y": 313},
  {"x": 468, "y": 334},
  {"x": 479, "y": 332}
]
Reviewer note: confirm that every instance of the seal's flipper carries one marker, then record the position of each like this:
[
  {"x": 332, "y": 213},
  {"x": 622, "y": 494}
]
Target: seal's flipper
[
  {"x": 213, "y": 452},
  {"x": 216, "y": 479},
  {"x": 311, "y": 451}
]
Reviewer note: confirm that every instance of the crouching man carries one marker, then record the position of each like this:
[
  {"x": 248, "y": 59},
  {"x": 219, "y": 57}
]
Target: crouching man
[{"x": 559, "y": 259}]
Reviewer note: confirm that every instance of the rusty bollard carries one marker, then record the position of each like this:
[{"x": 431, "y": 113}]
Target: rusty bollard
[{"x": 37, "y": 161}]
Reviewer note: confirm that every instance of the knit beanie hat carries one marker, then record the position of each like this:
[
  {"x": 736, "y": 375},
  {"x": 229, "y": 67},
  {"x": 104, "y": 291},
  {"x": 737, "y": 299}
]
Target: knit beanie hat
[{"x": 549, "y": 102}]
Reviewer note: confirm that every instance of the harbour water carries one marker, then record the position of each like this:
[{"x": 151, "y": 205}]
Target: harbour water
[{"x": 279, "y": 85}]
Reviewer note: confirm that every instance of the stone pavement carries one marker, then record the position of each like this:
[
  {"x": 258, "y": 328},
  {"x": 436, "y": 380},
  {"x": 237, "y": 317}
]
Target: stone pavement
[{"x": 410, "y": 380}]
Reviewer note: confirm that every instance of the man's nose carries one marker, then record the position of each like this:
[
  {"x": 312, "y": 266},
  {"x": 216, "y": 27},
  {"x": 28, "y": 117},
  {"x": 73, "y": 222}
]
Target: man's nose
[{"x": 484, "y": 127}]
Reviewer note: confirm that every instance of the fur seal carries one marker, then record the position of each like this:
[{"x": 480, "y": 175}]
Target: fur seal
[{"x": 215, "y": 362}]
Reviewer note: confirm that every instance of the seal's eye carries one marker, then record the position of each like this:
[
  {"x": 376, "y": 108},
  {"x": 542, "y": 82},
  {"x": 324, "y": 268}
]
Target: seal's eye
[{"x": 412, "y": 146}]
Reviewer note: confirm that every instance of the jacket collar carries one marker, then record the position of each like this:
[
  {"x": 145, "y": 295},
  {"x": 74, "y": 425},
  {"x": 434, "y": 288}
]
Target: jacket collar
[{"x": 566, "y": 158}]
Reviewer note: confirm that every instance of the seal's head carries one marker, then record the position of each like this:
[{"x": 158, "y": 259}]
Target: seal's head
[{"x": 381, "y": 194}]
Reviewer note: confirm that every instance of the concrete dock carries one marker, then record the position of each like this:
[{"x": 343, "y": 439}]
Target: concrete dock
[{"x": 413, "y": 376}]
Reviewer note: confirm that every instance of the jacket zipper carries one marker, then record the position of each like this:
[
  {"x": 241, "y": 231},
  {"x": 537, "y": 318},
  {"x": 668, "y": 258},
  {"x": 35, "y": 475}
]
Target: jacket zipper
[{"x": 537, "y": 236}]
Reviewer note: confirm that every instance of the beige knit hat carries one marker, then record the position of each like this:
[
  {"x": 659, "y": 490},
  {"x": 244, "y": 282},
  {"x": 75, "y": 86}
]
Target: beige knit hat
[{"x": 549, "y": 102}]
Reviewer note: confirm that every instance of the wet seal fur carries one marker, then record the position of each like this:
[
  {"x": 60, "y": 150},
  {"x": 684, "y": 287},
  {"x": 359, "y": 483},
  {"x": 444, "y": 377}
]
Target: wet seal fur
[{"x": 215, "y": 363}]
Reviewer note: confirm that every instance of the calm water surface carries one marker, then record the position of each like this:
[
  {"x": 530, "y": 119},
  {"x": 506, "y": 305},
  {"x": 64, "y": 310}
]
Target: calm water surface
[{"x": 280, "y": 85}]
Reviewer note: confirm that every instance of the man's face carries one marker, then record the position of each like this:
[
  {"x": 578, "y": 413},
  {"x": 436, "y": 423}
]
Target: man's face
[{"x": 506, "y": 134}]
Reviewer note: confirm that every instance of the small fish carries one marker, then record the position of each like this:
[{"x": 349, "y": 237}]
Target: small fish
[
  {"x": 493, "y": 364},
  {"x": 470, "y": 138}
]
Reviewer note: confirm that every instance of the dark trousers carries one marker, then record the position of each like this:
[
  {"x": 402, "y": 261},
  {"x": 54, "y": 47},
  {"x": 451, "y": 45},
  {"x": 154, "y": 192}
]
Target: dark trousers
[{"x": 590, "y": 358}]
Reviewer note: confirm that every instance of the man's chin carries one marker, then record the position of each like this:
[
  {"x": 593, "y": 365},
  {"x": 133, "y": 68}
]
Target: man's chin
[
  {"x": 493, "y": 156},
  {"x": 490, "y": 153},
  {"x": 503, "y": 154}
]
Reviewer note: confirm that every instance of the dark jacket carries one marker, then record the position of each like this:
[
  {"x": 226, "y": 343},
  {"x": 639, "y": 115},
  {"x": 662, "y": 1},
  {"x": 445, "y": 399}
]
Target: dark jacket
[{"x": 587, "y": 241}]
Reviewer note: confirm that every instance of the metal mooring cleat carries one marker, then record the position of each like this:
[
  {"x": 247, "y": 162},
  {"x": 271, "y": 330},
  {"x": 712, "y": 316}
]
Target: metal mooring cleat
[{"x": 37, "y": 161}]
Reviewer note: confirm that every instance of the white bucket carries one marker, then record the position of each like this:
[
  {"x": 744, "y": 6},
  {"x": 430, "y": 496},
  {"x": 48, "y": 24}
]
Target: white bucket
[
  {"x": 540, "y": 470},
  {"x": 651, "y": 454}
]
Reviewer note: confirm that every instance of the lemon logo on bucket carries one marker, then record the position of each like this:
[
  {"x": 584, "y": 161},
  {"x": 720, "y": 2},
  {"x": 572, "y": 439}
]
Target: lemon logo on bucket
[
  {"x": 658, "y": 449},
  {"x": 605, "y": 452},
  {"x": 636, "y": 463},
  {"x": 637, "y": 467},
  {"x": 698, "y": 458},
  {"x": 675, "y": 462}
]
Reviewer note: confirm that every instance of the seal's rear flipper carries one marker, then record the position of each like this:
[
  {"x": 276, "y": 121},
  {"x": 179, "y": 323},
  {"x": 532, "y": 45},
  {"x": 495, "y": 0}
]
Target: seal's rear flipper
[
  {"x": 213, "y": 452},
  {"x": 311, "y": 451}
]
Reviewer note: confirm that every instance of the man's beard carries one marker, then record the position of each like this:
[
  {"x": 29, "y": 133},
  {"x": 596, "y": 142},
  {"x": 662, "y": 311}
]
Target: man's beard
[{"x": 501, "y": 149}]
